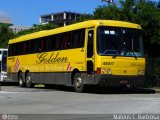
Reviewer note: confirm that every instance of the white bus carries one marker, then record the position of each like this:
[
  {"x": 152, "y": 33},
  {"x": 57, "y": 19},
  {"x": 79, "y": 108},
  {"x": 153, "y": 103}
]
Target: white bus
[{"x": 3, "y": 58}]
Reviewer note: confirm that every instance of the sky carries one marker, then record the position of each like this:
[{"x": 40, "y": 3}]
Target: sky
[{"x": 27, "y": 12}]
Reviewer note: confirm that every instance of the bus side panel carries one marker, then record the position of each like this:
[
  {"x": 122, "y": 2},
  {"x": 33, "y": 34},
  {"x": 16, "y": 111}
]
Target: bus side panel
[
  {"x": 52, "y": 78},
  {"x": 49, "y": 67}
]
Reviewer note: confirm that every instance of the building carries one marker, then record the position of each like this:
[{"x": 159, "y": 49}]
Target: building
[
  {"x": 5, "y": 20},
  {"x": 60, "y": 18},
  {"x": 17, "y": 29}
]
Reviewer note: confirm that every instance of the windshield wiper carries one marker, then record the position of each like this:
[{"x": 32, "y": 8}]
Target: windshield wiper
[
  {"x": 134, "y": 55},
  {"x": 110, "y": 52}
]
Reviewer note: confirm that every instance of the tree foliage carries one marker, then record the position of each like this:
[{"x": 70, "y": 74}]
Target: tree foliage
[
  {"x": 148, "y": 16},
  {"x": 144, "y": 13},
  {"x": 85, "y": 17},
  {"x": 37, "y": 28},
  {"x": 107, "y": 12},
  {"x": 5, "y": 35}
]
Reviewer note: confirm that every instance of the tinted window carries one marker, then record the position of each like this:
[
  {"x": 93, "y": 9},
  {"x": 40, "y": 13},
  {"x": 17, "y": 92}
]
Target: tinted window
[
  {"x": 119, "y": 41},
  {"x": 67, "y": 40}
]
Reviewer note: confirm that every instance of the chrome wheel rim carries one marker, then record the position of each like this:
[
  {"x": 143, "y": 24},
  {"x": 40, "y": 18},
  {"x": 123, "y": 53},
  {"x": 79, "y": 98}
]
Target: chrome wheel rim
[
  {"x": 20, "y": 81},
  {"x": 78, "y": 82},
  {"x": 28, "y": 80}
]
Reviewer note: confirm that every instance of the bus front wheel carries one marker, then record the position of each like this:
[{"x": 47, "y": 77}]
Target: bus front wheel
[
  {"x": 78, "y": 83},
  {"x": 29, "y": 83}
]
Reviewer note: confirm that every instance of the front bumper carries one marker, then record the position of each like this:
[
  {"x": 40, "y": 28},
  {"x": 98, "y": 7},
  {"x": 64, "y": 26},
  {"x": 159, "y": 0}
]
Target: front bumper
[{"x": 115, "y": 81}]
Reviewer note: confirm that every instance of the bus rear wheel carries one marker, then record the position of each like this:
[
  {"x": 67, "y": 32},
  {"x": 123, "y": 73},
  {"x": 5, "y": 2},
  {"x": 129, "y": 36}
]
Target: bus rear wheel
[
  {"x": 78, "y": 83},
  {"x": 29, "y": 83},
  {"x": 21, "y": 80}
]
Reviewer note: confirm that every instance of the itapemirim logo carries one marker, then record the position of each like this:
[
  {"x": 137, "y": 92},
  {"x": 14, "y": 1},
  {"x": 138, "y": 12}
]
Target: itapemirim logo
[{"x": 4, "y": 116}]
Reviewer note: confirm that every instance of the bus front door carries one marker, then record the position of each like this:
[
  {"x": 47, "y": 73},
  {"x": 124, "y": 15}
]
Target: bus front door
[{"x": 90, "y": 53}]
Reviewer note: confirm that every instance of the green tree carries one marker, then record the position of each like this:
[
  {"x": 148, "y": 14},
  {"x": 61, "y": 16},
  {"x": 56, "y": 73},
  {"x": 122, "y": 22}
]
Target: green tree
[
  {"x": 127, "y": 10},
  {"x": 107, "y": 12},
  {"x": 148, "y": 16},
  {"x": 85, "y": 17},
  {"x": 37, "y": 28},
  {"x": 44, "y": 27},
  {"x": 113, "y": 12},
  {"x": 144, "y": 13},
  {"x": 5, "y": 34}
]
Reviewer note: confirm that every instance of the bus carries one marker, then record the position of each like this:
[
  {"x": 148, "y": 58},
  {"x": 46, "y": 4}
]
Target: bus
[
  {"x": 3, "y": 62},
  {"x": 93, "y": 52}
]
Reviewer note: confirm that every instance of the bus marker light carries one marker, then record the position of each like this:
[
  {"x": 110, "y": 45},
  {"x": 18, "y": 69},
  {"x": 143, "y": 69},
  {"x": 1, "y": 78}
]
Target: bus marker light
[
  {"x": 140, "y": 72},
  {"x": 98, "y": 70},
  {"x": 109, "y": 71}
]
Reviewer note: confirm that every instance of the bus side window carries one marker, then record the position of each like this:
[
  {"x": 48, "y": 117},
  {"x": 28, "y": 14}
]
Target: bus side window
[
  {"x": 64, "y": 40},
  {"x": 27, "y": 47},
  {"x": 24, "y": 48},
  {"x": 69, "y": 40},
  {"x": 78, "y": 37},
  {"x": 33, "y": 47},
  {"x": 11, "y": 50},
  {"x": 36, "y": 46},
  {"x": 58, "y": 42},
  {"x": 75, "y": 39},
  {"x": 20, "y": 48},
  {"x": 48, "y": 46},
  {"x": 81, "y": 38},
  {"x": 42, "y": 46},
  {"x": 51, "y": 43},
  {"x": 16, "y": 49}
]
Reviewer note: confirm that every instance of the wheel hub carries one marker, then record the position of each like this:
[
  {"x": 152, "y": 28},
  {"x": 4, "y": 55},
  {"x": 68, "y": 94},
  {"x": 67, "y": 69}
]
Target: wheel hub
[
  {"x": 28, "y": 80},
  {"x": 20, "y": 81},
  {"x": 78, "y": 82}
]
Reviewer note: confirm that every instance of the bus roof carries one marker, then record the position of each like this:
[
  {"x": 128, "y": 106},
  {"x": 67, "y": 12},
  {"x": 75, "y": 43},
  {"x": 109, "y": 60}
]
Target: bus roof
[{"x": 85, "y": 24}]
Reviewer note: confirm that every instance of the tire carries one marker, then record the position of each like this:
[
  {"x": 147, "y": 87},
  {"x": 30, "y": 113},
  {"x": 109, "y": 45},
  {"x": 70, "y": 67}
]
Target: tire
[
  {"x": 29, "y": 83},
  {"x": 78, "y": 83},
  {"x": 21, "y": 80}
]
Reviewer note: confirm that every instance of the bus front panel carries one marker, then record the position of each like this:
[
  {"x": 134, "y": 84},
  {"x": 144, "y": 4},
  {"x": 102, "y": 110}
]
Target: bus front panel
[{"x": 119, "y": 58}]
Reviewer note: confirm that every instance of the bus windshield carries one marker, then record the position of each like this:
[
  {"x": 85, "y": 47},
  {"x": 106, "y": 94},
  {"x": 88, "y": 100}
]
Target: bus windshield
[{"x": 116, "y": 41}]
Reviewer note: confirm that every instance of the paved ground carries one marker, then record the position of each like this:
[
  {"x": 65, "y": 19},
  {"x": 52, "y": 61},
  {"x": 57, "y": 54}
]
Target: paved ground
[{"x": 16, "y": 100}]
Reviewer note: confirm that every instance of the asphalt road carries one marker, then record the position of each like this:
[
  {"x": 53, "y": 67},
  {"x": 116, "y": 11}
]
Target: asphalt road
[{"x": 16, "y": 100}]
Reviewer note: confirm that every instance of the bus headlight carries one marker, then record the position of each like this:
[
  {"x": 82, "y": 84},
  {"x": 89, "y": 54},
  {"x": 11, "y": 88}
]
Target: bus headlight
[
  {"x": 106, "y": 71},
  {"x": 140, "y": 72}
]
